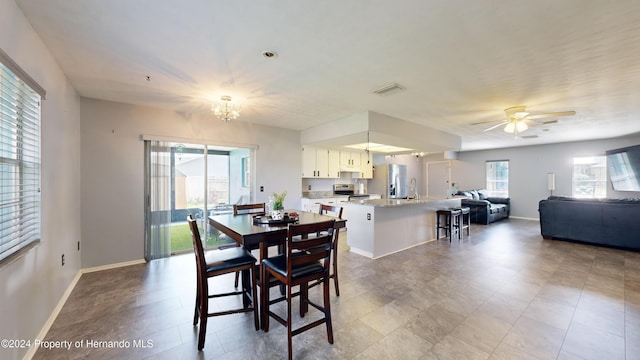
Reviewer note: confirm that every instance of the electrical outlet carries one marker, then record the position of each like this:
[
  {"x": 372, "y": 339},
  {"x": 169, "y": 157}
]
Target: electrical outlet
[
  {"x": 261, "y": 188},
  {"x": 62, "y": 259},
  {"x": 78, "y": 245},
  {"x": 368, "y": 216},
  {"x": 309, "y": 186}
]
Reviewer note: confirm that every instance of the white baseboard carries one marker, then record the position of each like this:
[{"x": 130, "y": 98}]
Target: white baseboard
[
  {"x": 370, "y": 255},
  {"x": 361, "y": 252},
  {"x": 524, "y": 218},
  {"x": 53, "y": 316},
  {"x": 47, "y": 325},
  {"x": 113, "y": 266}
]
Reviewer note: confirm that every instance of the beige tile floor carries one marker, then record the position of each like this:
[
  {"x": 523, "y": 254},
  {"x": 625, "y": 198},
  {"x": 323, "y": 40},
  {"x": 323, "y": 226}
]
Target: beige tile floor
[{"x": 503, "y": 293}]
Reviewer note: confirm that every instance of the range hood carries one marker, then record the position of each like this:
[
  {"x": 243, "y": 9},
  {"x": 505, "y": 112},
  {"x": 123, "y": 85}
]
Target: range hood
[{"x": 379, "y": 133}]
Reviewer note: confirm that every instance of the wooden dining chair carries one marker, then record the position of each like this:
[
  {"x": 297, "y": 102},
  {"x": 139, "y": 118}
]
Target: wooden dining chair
[
  {"x": 249, "y": 209},
  {"x": 220, "y": 262},
  {"x": 307, "y": 258},
  {"x": 336, "y": 211}
]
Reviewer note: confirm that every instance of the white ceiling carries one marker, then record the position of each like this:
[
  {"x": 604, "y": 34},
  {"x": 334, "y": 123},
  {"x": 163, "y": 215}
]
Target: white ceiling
[{"x": 461, "y": 61}]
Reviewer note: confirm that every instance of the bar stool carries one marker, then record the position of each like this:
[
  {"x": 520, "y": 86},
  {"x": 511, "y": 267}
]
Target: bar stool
[
  {"x": 465, "y": 220},
  {"x": 451, "y": 219}
]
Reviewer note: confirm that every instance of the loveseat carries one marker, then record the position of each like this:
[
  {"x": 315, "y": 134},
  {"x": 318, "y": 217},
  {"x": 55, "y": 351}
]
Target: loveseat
[
  {"x": 485, "y": 209},
  {"x": 608, "y": 222}
]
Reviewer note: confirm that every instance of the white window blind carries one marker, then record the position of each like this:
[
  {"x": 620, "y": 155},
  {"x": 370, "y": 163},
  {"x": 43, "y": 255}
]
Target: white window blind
[{"x": 19, "y": 159}]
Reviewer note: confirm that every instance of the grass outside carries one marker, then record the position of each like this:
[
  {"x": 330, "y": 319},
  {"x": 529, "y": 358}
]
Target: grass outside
[{"x": 181, "y": 238}]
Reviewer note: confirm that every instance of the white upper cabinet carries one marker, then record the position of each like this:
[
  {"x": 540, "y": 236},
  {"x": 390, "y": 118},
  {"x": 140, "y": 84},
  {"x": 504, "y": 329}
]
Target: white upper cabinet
[
  {"x": 327, "y": 164},
  {"x": 334, "y": 164},
  {"x": 366, "y": 165},
  {"x": 308, "y": 161},
  {"x": 316, "y": 163},
  {"x": 350, "y": 160}
]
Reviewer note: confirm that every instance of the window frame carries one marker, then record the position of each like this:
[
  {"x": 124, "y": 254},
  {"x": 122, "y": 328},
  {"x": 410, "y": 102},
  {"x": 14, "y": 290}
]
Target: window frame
[
  {"x": 20, "y": 160},
  {"x": 246, "y": 171},
  {"x": 593, "y": 162},
  {"x": 490, "y": 182}
]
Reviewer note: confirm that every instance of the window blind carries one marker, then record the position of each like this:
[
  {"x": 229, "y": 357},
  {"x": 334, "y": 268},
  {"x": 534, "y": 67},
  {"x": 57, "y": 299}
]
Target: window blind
[{"x": 19, "y": 163}]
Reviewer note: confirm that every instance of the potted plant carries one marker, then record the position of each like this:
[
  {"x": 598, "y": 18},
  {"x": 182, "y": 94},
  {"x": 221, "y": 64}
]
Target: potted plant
[{"x": 278, "y": 204}]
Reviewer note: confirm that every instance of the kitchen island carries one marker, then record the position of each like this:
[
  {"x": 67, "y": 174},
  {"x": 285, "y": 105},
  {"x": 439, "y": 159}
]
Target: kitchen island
[{"x": 381, "y": 227}]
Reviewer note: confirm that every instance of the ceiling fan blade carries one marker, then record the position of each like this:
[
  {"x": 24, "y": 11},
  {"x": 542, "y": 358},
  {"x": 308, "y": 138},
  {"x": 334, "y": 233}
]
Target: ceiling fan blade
[
  {"x": 548, "y": 115},
  {"x": 532, "y": 123},
  {"x": 495, "y": 126},
  {"x": 484, "y": 122}
]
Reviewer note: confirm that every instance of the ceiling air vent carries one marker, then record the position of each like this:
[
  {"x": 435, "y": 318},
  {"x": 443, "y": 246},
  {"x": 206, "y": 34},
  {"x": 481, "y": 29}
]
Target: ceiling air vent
[
  {"x": 529, "y": 136},
  {"x": 389, "y": 89}
]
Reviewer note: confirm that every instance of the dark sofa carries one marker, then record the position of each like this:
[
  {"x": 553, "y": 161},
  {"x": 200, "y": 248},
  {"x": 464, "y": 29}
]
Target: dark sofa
[
  {"x": 608, "y": 222},
  {"x": 485, "y": 209}
]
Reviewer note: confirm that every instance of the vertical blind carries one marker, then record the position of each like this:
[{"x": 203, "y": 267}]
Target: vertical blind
[{"x": 19, "y": 161}]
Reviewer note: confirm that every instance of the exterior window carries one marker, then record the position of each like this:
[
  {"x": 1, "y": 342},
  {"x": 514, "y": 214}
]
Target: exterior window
[
  {"x": 246, "y": 172},
  {"x": 498, "y": 178},
  {"x": 19, "y": 162},
  {"x": 589, "y": 177}
]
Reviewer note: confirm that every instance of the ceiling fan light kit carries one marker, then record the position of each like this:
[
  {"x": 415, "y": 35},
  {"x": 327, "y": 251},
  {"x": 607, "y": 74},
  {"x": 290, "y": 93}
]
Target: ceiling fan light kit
[{"x": 517, "y": 116}]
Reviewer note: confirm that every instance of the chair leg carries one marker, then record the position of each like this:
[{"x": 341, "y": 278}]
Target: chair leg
[
  {"x": 246, "y": 301},
  {"x": 335, "y": 264},
  {"x": 237, "y": 276},
  {"x": 289, "y": 327},
  {"x": 196, "y": 313},
  {"x": 437, "y": 226},
  {"x": 327, "y": 311},
  {"x": 304, "y": 299},
  {"x": 204, "y": 311},
  {"x": 264, "y": 289},
  {"x": 254, "y": 290}
]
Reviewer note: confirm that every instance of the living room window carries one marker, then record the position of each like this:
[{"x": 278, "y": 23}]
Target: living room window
[
  {"x": 589, "y": 177},
  {"x": 497, "y": 178},
  {"x": 19, "y": 158}
]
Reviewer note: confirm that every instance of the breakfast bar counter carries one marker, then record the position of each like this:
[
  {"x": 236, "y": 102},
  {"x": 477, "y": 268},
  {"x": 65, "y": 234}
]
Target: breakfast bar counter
[{"x": 381, "y": 227}]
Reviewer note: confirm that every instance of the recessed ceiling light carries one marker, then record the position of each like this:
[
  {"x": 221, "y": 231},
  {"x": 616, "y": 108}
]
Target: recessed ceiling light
[{"x": 269, "y": 54}]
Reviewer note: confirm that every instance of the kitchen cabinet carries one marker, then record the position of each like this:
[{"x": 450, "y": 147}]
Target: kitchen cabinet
[
  {"x": 350, "y": 161},
  {"x": 316, "y": 163},
  {"x": 366, "y": 165},
  {"x": 334, "y": 164},
  {"x": 313, "y": 205}
]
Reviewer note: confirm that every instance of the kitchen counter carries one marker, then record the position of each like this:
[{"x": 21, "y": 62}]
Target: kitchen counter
[
  {"x": 325, "y": 196},
  {"x": 318, "y": 194},
  {"x": 398, "y": 202},
  {"x": 380, "y": 227}
]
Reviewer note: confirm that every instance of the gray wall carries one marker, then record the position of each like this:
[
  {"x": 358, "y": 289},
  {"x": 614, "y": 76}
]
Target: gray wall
[
  {"x": 528, "y": 168},
  {"x": 33, "y": 284},
  {"x": 112, "y": 164}
]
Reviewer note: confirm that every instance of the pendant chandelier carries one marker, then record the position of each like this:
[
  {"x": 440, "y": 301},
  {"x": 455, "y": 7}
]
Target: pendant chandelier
[{"x": 225, "y": 110}]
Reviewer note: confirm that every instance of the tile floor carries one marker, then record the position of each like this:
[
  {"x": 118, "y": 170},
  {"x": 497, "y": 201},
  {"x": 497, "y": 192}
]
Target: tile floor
[{"x": 503, "y": 293}]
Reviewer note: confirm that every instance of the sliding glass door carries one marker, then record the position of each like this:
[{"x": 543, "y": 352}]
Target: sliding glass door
[{"x": 196, "y": 179}]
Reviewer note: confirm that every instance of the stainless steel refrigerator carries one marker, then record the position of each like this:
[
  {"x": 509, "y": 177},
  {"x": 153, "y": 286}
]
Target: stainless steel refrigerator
[{"x": 389, "y": 180}]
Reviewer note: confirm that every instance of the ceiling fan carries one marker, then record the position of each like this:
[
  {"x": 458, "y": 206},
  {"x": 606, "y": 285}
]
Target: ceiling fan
[{"x": 517, "y": 118}]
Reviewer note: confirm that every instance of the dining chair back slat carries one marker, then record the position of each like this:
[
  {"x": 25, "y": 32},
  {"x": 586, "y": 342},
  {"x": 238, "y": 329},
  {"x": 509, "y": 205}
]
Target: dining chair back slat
[{"x": 249, "y": 209}]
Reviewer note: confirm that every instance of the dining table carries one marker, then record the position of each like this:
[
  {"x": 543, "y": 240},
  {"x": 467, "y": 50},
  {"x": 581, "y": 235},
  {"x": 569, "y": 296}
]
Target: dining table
[{"x": 254, "y": 235}]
